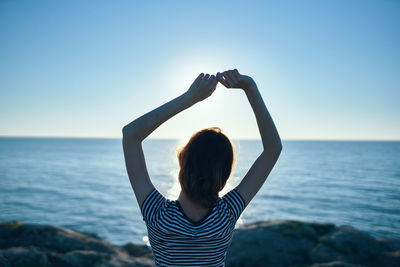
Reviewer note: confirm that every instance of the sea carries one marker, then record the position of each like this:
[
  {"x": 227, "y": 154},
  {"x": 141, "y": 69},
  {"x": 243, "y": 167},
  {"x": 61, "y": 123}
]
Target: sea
[{"x": 82, "y": 184}]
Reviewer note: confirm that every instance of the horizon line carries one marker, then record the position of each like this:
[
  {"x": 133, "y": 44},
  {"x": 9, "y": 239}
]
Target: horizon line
[{"x": 168, "y": 138}]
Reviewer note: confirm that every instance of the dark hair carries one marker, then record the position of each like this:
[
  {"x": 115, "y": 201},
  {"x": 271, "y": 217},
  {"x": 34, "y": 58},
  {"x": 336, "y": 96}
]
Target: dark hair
[{"x": 206, "y": 162}]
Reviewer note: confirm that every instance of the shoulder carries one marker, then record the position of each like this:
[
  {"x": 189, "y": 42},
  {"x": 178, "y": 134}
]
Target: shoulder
[
  {"x": 153, "y": 204},
  {"x": 234, "y": 203},
  {"x": 234, "y": 198}
]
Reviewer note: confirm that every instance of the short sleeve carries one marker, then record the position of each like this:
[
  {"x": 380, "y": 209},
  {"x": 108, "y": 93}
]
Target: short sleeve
[
  {"x": 151, "y": 206},
  {"x": 235, "y": 203}
]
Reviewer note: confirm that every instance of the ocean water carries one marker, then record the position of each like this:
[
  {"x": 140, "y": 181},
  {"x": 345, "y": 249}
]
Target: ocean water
[{"x": 82, "y": 184}]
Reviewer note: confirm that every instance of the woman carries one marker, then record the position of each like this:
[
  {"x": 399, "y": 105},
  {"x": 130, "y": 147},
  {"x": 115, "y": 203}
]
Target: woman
[{"x": 196, "y": 229}]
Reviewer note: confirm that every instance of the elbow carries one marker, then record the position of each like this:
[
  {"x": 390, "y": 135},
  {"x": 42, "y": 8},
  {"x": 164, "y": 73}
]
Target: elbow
[
  {"x": 274, "y": 150},
  {"x": 124, "y": 135},
  {"x": 277, "y": 151},
  {"x": 279, "y": 147},
  {"x": 125, "y": 132},
  {"x": 128, "y": 134}
]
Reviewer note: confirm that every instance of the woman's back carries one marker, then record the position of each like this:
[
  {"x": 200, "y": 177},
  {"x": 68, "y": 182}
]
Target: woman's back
[
  {"x": 206, "y": 163},
  {"x": 178, "y": 241}
]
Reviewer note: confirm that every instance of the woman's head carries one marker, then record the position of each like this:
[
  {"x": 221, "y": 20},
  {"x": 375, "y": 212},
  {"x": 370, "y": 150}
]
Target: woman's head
[{"x": 206, "y": 162}]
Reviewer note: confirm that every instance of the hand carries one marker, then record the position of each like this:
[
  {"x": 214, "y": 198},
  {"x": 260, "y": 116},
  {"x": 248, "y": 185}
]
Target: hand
[
  {"x": 233, "y": 79},
  {"x": 202, "y": 87}
]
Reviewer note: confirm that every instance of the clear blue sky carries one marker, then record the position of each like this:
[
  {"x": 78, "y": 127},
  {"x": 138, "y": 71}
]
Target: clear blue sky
[{"x": 326, "y": 69}]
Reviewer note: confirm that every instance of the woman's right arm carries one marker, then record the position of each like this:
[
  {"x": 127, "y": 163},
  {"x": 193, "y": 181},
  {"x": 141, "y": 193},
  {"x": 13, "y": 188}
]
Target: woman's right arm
[{"x": 271, "y": 141}]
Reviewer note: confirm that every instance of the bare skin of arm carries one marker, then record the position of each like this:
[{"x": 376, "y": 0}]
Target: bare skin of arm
[
  {"x": 136, "y": 131},
  {"x": 272, "y": 146}
]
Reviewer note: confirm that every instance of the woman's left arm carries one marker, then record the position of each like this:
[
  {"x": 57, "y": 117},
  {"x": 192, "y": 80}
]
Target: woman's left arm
[{"x": 136, "y": 131}]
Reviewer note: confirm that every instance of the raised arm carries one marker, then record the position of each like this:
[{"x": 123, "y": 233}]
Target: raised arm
[
  {"x": 136, "y": 131},
  {"x": 271, "y": 141}
]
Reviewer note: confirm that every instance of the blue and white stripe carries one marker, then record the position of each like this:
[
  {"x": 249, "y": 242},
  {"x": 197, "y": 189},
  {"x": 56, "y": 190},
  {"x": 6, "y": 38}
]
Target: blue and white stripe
[{"x": 177, "y": 241}]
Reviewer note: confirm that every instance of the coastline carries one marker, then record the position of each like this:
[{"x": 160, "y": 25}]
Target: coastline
[{"x": 263, "y": 243}]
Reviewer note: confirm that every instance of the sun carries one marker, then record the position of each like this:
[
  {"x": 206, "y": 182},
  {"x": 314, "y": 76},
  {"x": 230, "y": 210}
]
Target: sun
[
  {"x": 183, "y": 69},
  {"x": 221, "y": 109}
]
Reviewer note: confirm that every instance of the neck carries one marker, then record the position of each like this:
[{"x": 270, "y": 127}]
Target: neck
[
  {"x": 191, "y": 209},
  {"x": 186, "y": 201}
]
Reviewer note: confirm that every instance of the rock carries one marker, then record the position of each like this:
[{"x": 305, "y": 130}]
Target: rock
[
  {"x": 46, "y": 245},
  {"x": 356, "y": 246},
  {"x": 138, "y": 250},
  {"x": 322, "y": 253},
  {"x": 51, "y": 237},
  {"x": 85, "y": 258},
  {"x": 390, "y": 244},
  {"x": 25, "y": 256},
  {"x": 294, "y": 243},
  {"x": 336, "y": 264},
  {"x": 265, "y": 243},
  {"x": 270, "y": 244}
]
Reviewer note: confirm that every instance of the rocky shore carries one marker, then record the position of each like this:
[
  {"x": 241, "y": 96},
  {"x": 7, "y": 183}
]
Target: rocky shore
[{"x": 265, "y": 243}]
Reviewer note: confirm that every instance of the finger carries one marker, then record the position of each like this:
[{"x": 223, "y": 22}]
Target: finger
[
  {"x": 224, "y": 81},
  {"x": 219, "y": 76},
  {"x": 210, "y": 79},
  {"x": 236, "y": 73},
  {"x": 228, "y": 78},
  {"x": 227, "y": 81},
  {"x": 232, "y": 78},
  {"x": 221, "y": 80},
  {"x": 200, "y": 76},
  {"x": 213, "y": 81},
  {"x": 207, "y": 76}
]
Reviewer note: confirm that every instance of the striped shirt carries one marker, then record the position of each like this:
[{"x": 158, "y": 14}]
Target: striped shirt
[{"x": 178, "y": 241}]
